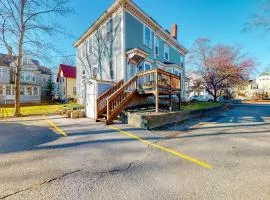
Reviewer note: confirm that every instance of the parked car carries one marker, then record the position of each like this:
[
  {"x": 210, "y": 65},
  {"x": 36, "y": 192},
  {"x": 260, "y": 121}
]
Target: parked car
[{"x": 201, "y": 98}]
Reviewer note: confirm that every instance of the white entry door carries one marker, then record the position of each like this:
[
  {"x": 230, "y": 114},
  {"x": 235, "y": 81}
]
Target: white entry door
[{"x": 90, "y": 100}]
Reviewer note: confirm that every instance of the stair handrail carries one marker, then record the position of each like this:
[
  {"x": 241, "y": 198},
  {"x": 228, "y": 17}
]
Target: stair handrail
[
  {"x": 117, "y": 94},
  {"x": 101, "y": 100}
]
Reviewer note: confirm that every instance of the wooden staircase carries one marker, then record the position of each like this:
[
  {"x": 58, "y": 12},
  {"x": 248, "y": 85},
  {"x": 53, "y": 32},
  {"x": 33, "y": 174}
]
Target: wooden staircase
[
  {"x": 111, "y": 103},
  {"x": 155, "y": 82}
]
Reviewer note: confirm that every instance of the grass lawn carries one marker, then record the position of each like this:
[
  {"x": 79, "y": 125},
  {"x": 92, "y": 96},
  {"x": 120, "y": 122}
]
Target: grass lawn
[
  {"x": 35, "y": 110},
  {"x": 200, "y": 106}
]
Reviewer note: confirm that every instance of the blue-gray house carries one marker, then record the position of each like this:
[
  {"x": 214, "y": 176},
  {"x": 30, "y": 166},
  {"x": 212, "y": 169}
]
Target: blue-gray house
[{"x": 126, "y": 53}]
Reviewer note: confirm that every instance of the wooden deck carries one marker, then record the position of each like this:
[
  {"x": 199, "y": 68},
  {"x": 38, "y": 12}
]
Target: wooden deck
[
  {"x": 152, "y": 82},
  {"x": 158, "y": 81}
]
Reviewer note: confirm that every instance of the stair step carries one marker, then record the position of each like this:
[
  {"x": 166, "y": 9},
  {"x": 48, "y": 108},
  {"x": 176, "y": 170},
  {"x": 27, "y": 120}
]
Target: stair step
[
  {"x": 101, "y": 120},
  {"x": 104, "y": 115}
]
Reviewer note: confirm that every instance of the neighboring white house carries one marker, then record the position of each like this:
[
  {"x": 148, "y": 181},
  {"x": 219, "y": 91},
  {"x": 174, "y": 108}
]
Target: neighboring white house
[
  {"x": 194, "y": 86},
  {"x": 263, "y": 83},
  {"x": 30, "y": 88},
  {"x": 258, "y": 88}
]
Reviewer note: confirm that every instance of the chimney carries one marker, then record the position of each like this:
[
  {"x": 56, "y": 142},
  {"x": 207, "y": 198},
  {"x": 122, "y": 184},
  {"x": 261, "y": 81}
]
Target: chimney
[{"x": 174, "y": 31}]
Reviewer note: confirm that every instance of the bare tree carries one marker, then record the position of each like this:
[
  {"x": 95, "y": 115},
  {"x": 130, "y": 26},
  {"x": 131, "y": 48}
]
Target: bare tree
[
  {"x": 261, "y": 19},
  {"x": 69, "y": 60},
  {"x": 220, "y": 66},
  {"x": 23, "y": 25},
  {"x": 99, "y": 49}
]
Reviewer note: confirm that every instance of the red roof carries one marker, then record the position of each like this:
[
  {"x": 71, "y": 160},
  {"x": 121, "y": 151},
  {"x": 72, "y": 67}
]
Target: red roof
[{"x": 68, "y": 71}]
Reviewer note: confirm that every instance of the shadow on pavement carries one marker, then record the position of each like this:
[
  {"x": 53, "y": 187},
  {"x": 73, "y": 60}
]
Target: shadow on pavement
[{"x": 15, "y": 137}]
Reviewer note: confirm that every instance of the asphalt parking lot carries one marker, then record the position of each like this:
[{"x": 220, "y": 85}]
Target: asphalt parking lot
[{"x": 224, "y": 155}]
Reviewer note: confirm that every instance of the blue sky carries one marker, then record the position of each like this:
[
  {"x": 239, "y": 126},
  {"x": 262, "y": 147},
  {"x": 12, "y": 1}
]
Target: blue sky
[{"x": 222, "y": 21}]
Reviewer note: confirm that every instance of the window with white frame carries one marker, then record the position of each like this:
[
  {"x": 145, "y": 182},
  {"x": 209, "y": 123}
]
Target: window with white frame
[
  {"x": 156, "y": 46},
  {"x": 1, "y": 90},
  {"x": 182, "y": 59},
  {"x": 8, "y": 90},
  {"x": 34, "y": 77},
  {"x": 35, "y": 91},
  {"x": 147, "y": 66},
  {"x": 28, "y": 76},
  {"x": 147, "y": 36},
  {"x": 22, "y": 91},
  {"x": 1, "y": 72},
  {"x": 23, "y": 76},
  {"x": 109, "y": 30},
  {"x": 166, "y": 52},
  {"x": 29, "y": 90}
]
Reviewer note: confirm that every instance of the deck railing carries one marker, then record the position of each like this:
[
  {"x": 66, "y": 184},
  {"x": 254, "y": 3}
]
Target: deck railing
[
  {"x": 119, "y": 98},
  {"x": 102, "y": 99},
  {"x": 158, "y": 79}
]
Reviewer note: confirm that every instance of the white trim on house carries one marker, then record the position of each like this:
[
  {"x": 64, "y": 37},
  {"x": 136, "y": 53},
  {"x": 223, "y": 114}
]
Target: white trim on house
[{"x": 129, "y": 5}]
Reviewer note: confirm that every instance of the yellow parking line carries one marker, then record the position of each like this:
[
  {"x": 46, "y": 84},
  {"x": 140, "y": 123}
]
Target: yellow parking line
[
  {"x": 55, "y": 128},
  {"x": 178, "y": 154}
]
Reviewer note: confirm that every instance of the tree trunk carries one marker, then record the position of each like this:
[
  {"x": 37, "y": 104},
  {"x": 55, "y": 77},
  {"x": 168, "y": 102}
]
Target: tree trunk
[
  {"x": 17, "y": 111},
  {"x": 19, "y": 63}
]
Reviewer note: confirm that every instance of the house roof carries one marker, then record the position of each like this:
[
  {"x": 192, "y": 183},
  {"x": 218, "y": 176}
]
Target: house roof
[
  {"x": 4, "y": 60},
  {"x": 68, "y": 71},
  {"x": 131, "y": 6},
  {"x": 265, "y": 74},
  {"x": 45, "y": 70}
]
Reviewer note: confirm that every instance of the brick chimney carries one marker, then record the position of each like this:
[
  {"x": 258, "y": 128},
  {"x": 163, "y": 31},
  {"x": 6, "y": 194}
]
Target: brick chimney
[{"x": 174, "y": 31}]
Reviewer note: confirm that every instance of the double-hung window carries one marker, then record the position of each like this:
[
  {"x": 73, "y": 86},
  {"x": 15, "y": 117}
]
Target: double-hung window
[
  {"x": 1, "y": 90},
  {"x": 8, "y": 90},
  {"x": 148, "y": 78},
  {"x": 34, "y": 78},
  {"x": 147, "y": 66},
  {"x": 147, "y": 36},
  {"x": 166, "y": 52},
  {"x": 156, "y": 47},
  {"x": 29, "y": 90},
  {"x": 109, "y": 30},
  {"x": 22, "y": 76},
  {"x": 28, "y": 76},
  {"x": 182, "y": 60},
  {"x": 35, "y": 91},
  {"x": 22, "y": 91}
]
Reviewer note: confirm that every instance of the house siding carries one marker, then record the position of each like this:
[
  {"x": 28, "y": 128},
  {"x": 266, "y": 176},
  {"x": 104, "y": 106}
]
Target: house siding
[
  {"x": 134, "y": 39},
  {"x": 90, "y": 61},
  {"x": 4, "y": 74},
  {"x": 85, "y": 64}
]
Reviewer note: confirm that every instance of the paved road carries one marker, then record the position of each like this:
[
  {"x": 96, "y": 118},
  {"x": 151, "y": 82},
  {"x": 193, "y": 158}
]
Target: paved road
[{"x": 98, "y": 162}]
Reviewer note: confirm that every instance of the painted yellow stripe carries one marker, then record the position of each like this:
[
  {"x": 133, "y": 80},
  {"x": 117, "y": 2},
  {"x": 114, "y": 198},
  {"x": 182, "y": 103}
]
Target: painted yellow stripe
[
  {"x": 178, "y": 154},
  {"x": 55, "y": 128}
]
